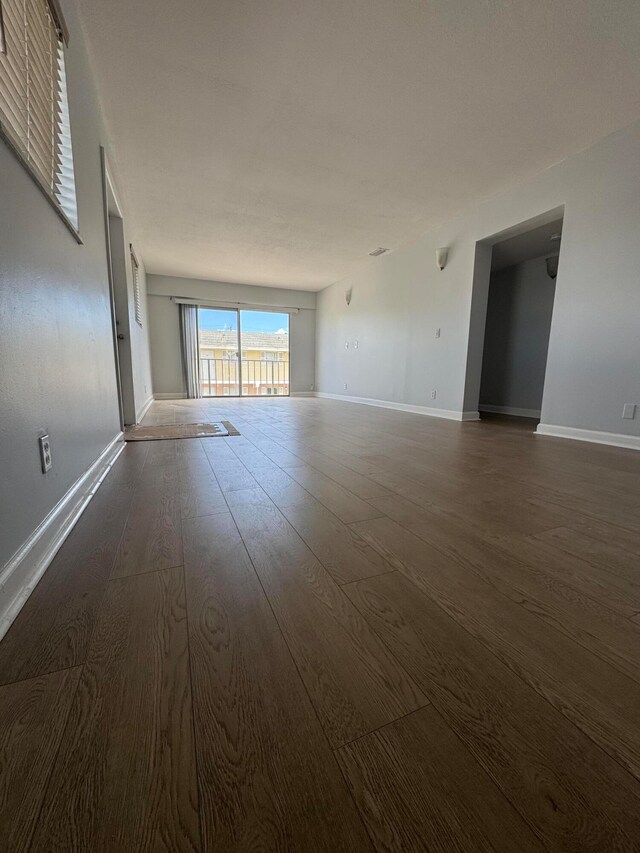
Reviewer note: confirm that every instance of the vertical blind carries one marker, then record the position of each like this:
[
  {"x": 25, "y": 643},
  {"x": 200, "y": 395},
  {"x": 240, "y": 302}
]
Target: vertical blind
[{"x": 34, "y": 111}]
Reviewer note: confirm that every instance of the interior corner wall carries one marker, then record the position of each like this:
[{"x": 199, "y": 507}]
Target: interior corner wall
[
  {"x": 164, "y": 326},
  {"x": 400, "y": 299},
  {"x": 56, "y": 345},
  {"x": 517, "y": 337}
]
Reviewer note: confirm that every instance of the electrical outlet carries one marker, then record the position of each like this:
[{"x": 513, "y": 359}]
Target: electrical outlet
[
  {"x": 437, "y": 333},
  {"x": 345, "y": 386},
  {"x": 45, "y": 453},
  {"x": 629, "y": 411},
  {"x": 433, "y": 394},
  {"x": 346, "y": 344},
  {"x": 311, "y": 387},
  {"x": 355, "y": 344}
]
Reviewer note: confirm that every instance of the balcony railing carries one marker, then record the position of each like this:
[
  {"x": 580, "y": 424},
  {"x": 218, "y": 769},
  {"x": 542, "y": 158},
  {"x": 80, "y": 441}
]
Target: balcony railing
[{"x": 220, "y": 377}]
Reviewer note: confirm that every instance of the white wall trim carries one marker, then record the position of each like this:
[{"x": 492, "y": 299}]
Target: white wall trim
[
  {"x": 449, "y": 414},
  {"x": 20, "y": 575},
  {"x": 510, "y": 410},
  {"x": 144, "y": 409},
  {"x": 175, "y": 395},
  {"x": 616, "y": 439},
  {"x": 302, "y": 394}
]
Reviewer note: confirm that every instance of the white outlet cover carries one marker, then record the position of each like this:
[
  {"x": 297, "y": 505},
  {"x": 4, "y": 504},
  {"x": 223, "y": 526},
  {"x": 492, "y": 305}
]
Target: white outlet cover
[
  {"x": 45, "y": 453},
  {"x": 355, "y": 344},
  {"x": 629, "y": 411}
]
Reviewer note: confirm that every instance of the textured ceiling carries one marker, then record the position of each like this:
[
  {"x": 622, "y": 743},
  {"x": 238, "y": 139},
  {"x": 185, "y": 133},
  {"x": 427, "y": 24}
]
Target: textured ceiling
[{"x": 279, "y": 141}]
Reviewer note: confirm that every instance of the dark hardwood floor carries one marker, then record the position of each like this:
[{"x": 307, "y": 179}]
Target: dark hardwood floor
[{"x": 346, "y": 629}]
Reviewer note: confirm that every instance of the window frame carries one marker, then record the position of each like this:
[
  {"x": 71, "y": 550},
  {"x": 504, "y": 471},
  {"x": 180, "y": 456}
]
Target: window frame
[
  {"x": 3, "y": 42},
  {"x": 137, "y": 296},
  {"x": 7, "y": 132}
]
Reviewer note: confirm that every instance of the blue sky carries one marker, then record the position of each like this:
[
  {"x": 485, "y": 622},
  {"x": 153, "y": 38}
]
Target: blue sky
[{"x": 252, "y": 321}]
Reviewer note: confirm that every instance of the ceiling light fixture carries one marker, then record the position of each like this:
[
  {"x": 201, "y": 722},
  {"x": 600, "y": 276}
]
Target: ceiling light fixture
[{"x": 376, "y": 252}]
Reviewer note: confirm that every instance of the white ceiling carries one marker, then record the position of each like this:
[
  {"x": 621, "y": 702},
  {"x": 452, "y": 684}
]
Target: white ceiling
[{"x": 280, "y": 141}]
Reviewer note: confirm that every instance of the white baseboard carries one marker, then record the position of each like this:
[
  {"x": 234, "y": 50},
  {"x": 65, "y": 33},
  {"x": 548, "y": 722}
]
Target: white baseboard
[
  {"x": 510, "y": 410},
  {"x": 302, "y": 394},
  {"x": 20, "y": 575},
  {"x": 449, "y": 414},
  {"x": 615, "y": 439},
  {"x": 176, "y": 395},
  {"x": 144, "y": 409}
]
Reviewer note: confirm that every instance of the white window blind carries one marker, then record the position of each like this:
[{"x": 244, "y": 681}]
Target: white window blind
[
  {"x": 137, "y": 301},
  {"x": 34, "y": 111}
]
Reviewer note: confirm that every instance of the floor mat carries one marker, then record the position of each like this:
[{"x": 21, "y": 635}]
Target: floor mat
[{"x": 170, "y": 431}]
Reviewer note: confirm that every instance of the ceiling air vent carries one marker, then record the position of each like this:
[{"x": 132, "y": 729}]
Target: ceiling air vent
[{"x": 379, "y": 251}]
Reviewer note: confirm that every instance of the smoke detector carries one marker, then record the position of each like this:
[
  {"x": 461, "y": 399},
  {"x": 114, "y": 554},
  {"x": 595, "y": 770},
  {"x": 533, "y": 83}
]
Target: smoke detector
[{"x": 376, "y": 252}]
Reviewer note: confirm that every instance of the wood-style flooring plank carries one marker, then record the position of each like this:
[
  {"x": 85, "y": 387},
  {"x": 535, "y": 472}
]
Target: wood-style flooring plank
[
  {"x": 200, "y": 495},
  {"x": 618, "y": 593},
  {"x": 33, "y": 715},
  {"x": 601, "y": 701},
  {"x": 281, "y": 488},
  {"x": 356, "y": 483},
  {"x": 233, "y": 476},
  {"x": 419, "y": 788},
  {"x": 268, "y": 780},
  {"x": 53, "y": 629},
  {"x": 129, "y": 464},
  {"x": 572, "y": 795},
  {"x": 354, "y": 683},
  {"x": 125, "y": 775},
  {"x": 152, "y": 538},
  {"x": 333, "y": 496},
  {"x": 604, "y": 554},
  {"x": 345, "y": 554},
  {"x": 564, "y": 607}
]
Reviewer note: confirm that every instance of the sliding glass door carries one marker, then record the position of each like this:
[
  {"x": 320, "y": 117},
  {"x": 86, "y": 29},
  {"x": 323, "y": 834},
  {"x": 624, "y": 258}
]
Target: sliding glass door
[
  {"x": 265, "y": 353},
  {"x": 243, "y": 353},
  {"x": 219, "y": 344}
]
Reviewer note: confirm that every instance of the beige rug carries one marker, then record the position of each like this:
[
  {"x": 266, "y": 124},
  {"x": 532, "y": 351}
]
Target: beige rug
[{"x": 169, "y": 431}]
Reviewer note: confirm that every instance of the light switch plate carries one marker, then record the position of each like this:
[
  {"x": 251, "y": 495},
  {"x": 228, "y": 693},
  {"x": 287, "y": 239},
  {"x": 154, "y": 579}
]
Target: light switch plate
[{"x": 629, "y": 411}]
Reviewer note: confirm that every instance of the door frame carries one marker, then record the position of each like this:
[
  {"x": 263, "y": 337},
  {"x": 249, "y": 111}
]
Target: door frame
[
  {"x": 107, "y": 186},
  {"x": 479, "y": 302},
  {"x": 119, "y": 292}
]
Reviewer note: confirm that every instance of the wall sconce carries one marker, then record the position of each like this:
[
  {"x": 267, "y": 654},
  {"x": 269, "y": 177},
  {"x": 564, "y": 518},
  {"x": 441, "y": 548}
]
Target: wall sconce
[
  {"x": 442, "y": 256},
  {"x": 347, "y": 296}
]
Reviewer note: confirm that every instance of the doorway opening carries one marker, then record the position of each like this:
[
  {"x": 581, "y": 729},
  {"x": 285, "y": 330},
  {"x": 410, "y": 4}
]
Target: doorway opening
[
  {"x": 118, "y": 258},
  {"x": 243, "y": 353},
  {"x": 512, "y": 307}
]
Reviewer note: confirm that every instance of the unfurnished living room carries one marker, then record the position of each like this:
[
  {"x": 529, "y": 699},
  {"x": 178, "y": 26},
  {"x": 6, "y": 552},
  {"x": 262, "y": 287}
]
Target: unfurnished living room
[{"x": 319, "y": 426}]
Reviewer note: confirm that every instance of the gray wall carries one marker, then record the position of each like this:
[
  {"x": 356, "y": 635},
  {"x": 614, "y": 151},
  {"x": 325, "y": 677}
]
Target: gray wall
[
  {"x": 517, "y": 337},
  {"x": 400, "y": 299},
  {"x": 164, "y": 326},
  {"x": 56, "y": 351}
]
